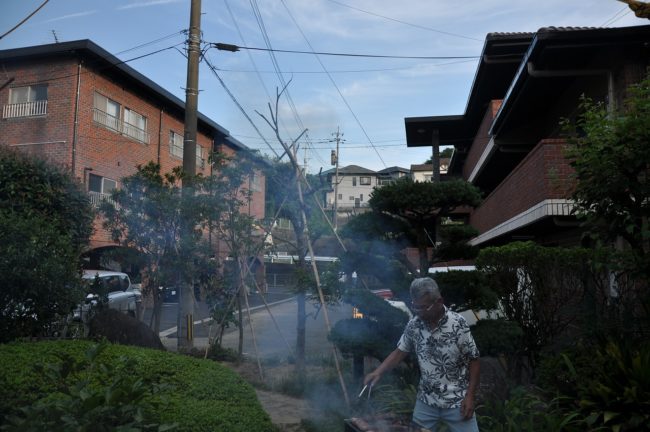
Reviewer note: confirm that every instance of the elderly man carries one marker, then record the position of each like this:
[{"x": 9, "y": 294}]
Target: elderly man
[{"x": 448, "y": 360}]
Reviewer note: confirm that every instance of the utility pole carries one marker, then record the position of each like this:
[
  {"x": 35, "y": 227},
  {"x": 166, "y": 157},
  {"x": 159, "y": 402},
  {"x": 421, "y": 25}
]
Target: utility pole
[
  {"x": 185, "y": 322},
  {"x": 435, "y": 156},
  {"x": 338, "y": 136}
]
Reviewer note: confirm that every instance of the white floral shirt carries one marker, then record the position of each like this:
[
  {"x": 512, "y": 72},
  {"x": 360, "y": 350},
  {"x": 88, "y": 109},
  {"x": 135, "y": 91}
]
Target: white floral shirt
[{"x": 443, "y": 356}]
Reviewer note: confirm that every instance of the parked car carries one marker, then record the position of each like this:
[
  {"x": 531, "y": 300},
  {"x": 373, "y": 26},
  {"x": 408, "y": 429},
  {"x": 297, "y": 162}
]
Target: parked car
[{"x": 119, "y": 293}]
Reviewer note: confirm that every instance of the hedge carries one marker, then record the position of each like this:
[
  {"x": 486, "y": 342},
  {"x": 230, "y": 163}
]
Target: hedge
[{"x": 198, "y": 395}]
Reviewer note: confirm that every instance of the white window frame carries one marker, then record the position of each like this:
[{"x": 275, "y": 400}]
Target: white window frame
[
  {"x": 27, "y": 105},
  {"x": 176, "y": 145},
  {"x": 135, "y": 125},
  {"x": 365, "y": 181}
]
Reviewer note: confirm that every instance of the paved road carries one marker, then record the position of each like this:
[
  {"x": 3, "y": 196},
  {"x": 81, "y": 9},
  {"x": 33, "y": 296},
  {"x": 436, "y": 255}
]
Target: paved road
[{"x": 271, "y": 341}]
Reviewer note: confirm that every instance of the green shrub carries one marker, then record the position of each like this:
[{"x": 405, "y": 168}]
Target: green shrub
[
  {"x": 527, "y": 411},
  {"x": 198, "y": 395},
  {"x": 494, "y": 337},
  {"x": 463, "y": 290}
]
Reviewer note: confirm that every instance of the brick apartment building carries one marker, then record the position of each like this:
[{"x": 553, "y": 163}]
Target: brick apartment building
[
  {"x": 509, "y": 140},
  {"x": 79, "y": 106}
]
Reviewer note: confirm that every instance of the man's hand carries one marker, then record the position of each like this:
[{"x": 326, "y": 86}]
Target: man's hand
[
  {"x": 467, "y": 406},
  {"x": 372, "y": 378}
]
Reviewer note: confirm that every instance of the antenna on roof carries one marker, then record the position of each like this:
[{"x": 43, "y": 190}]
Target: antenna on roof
[{"x": 56, "y": 39}]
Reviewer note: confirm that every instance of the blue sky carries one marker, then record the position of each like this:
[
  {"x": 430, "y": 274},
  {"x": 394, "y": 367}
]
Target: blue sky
[{"x": 366, "y": 98}]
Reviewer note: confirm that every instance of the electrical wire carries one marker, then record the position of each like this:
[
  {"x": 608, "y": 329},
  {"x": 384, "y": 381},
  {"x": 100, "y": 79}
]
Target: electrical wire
[
  {"x": 334, "y": 84},
  {"x": 24, "y": 20},
  {"x": 276, "y": 66},
  {"x": 180, "y": 32},
  {"x": 344, "y": 71},
  {"x": 234, "y": 99},
  {"x": 232, "y": 47},
  {"x": 108, "y": 66},
  {"x": 620, "y": 14},
  {"x": 406, "y": 23}
]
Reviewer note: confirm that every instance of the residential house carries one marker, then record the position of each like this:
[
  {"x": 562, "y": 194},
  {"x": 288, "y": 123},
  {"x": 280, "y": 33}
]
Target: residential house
[
  {"x": 79, "y": 106},
  {"x": 353, "y": 184},
  {"x": 390, "y": 174},
  {"x": 424, "y": 172},
  {"x": 509, "y": 141}
]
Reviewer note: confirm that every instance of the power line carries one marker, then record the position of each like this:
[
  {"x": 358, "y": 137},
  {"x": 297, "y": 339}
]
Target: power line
[
  {"x": 234, "y": 99},
  {"x": 343, "y": 71},
  {"x": 406, "y": 23},
  {"x": 231, "y": 47},
  {"x": 620, "y": 14},
  {"x": 334, "y": 84},
  {"x": 24, "y": 20},
  {"x": 110, "y": 65}
]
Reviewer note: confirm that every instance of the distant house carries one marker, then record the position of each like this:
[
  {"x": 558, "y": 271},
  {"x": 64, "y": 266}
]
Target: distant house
[
  {"x": 80, "y": 107},
  {"x": 353, "y": 185},
  {"x": 509, "y": 141},
  {"x": 424, "y": 172}
]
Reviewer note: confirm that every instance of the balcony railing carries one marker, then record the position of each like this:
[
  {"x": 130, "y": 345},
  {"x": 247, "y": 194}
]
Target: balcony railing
[
  {"x": 96, "y": 198},
  {"x": 25, "y": 109},
  {"x": 119, "y": 126}
]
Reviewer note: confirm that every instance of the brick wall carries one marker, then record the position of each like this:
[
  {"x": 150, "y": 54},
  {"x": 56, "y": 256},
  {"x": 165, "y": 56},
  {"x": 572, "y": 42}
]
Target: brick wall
[
  {"x": 543, "y": 174},
  {"x": 98, "y": 150}
]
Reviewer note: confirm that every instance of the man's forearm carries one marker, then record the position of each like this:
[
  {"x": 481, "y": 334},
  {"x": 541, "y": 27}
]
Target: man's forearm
[{"x": 474, "y": 376}]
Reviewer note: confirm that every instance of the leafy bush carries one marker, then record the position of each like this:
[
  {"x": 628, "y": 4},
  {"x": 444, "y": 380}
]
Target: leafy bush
[
  {"x": 611, "y": 384},
  {"x": 463, "y": 290},
  {"x": 494, "y": 337},
  {"x": 540, "y": 288},
  {"x": 527, "y": 411},
  {"x": 114, "y": 400},
  {"x": 45, "y": 222},
  {"x": 198, "y": 395}
]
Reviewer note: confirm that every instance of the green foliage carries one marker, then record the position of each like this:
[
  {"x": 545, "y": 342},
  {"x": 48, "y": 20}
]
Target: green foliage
[
  {"x": 45, "y": 221},
  {"x": 115, "y": 400},
  {"x": 540, "y": 288},
  {"x": 528, "y": 411},
  {"x": 34, "y": 188},
  {"x": 464, "y": 290},
  {"x": 422, "y": 205},
  {"x": 494, "y": 337},
  {"x": 611, "y": 383},
  {"x": 454, "y": 242},
  {"x": 198, "y": 395},
  {"x": 611, "y": 159}
]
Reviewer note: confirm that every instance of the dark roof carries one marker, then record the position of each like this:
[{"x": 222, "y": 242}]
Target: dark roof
[
  {"x": 98, "y": 58},
  {"x": 392, "y": 170},
  {"x": 350, "y": 169},
  {"x": 566, "y": 52},
  {"x": 421, "y": 167}
]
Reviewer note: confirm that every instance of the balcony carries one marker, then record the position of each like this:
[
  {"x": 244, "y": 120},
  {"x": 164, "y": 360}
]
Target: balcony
[
  {"x": 25, "y": 109},
  {"x": 97, "y": 198},
  {"x": 539, "y": 187},
  {"x": 117, "y": 125}
]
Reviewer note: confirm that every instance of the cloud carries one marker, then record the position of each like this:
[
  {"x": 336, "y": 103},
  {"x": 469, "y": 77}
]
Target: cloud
[
  {"x": 146, "y": 4},
  {"x": 74, "y": 15}
]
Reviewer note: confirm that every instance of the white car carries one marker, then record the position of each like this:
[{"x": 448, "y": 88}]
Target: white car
[{"x": 122, "y": 295}]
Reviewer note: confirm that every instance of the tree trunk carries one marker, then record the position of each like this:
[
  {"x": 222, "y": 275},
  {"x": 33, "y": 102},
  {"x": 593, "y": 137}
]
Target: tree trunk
[{"x": 300, "y": 332}]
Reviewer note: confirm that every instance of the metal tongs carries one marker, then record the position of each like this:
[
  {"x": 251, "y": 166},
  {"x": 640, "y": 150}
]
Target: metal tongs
[{"x": 369, "y": 387}]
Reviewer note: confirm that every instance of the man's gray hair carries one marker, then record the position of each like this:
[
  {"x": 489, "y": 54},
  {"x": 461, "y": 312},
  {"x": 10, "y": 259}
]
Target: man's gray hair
[{"x": 425, "y": 286}]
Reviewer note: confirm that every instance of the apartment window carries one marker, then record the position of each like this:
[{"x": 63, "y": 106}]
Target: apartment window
[
  {"x": 256, "y": 182},
  {"x": 135, "y": 125},
  {"x": 100, "y": 184},
  {"x": 100, "y": 188},
  {"x": 26, "y": 101},
  {"x": 176, "y": 148},
  {"x": 364, "y": 181},
  {"x": 361, "y": 197},
  {"x": 340, "y": 196},
  {"x": 106, "y": 112},
  {"x": 354, "y": 181},
  {"x": 351, "y": 198},
  {"x": 110, "y": 114},
  {"x": 175, "y": 144}
]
